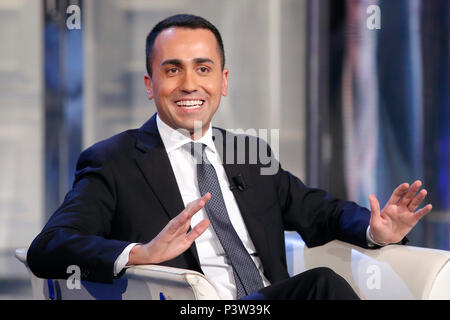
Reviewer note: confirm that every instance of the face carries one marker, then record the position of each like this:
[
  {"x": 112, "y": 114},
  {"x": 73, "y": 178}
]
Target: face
[{"x": 187, "y": 80}]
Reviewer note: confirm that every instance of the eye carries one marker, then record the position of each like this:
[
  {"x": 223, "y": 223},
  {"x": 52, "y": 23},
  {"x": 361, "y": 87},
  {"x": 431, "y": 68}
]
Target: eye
[
  {"x": 172, "y": 71},
  {"x": 203, "y": 69}
]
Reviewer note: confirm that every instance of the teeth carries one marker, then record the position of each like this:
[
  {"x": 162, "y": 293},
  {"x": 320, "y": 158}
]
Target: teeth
[
  {"x": 190, "y": 103},
  {"x": 191, "y": 107}
]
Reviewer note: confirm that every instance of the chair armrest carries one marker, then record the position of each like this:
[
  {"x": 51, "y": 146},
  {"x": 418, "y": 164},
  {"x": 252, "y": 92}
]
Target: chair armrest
[
  {"x": 173, "y": 283},
  {"x": 21, "y": 255},
  {"x": 38, "y": 286},
  {"x": 139, "y": 282},
  {"x": 391, "y": 272}
]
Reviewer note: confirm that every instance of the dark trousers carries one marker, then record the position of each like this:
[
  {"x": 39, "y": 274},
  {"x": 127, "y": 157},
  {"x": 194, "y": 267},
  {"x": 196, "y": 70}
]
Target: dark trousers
[{"x": 315, "y": 284}]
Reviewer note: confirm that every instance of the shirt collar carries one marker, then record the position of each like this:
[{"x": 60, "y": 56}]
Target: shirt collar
[{"x": 174, "y": 139}]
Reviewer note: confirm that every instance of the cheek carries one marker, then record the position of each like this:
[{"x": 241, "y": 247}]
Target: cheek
[
  {"x": 163, "y": 98},
  {"x": 214, "y": 88},
  {"x": 165, "y": 86}
]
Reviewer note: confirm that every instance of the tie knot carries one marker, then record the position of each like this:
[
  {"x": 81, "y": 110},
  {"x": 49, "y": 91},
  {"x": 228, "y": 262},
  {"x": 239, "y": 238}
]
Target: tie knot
[{"x": 197, "y": 150}]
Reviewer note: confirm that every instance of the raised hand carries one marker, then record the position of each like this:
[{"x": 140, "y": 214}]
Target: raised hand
[
  {"x": 174, "y": 239},
  {"x": 399, "y": 215}
]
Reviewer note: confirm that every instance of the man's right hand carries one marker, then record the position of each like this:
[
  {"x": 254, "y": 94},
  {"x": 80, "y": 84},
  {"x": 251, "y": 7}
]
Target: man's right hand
[{"x": 174, "y": 239}]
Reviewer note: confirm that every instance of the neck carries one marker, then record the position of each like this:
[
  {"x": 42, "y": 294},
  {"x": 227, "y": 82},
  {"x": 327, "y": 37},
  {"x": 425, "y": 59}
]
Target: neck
[{"x": 198, "y": 134}]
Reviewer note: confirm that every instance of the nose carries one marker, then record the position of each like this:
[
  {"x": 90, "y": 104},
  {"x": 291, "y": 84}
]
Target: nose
[{"x": 189, "y": 82}]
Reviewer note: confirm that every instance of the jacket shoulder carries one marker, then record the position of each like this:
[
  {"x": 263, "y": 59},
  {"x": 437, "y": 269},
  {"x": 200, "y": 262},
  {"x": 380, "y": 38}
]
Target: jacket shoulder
[
  {"x": 109, "y": 149},
  {"x": 249, "y": 136}
]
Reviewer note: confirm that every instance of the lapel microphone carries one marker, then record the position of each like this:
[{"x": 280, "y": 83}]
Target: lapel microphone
[{"x": 238, "y": 182}]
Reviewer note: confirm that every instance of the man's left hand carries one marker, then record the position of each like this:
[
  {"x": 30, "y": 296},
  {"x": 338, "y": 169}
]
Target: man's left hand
[{"x": 399, "y": 215}]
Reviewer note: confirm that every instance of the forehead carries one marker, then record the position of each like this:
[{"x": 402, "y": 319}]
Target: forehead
[{"x": 185, "y": 44}]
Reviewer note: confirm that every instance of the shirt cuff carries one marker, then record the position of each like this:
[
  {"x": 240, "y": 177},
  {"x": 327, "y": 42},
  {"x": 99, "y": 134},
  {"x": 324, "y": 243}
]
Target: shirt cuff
[
  {"x": 122, "y": 259},
  {"x": 372, "y": 243}
]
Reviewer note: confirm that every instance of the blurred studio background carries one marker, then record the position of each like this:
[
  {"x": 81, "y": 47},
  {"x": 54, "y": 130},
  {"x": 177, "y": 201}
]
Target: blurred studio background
[{"x": 360, "y": 94}]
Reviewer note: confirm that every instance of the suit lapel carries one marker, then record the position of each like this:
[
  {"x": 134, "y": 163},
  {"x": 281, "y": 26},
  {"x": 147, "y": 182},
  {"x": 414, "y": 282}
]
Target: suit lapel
[{"x": 154, "y": 164}]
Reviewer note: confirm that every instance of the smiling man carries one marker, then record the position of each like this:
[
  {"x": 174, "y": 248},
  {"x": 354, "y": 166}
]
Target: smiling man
[
  {"x": 163, "y": 194},
  {"x": 186, "y": 77}
]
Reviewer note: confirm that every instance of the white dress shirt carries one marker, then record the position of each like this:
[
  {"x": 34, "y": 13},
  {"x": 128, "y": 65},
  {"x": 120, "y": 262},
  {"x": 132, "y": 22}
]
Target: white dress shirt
[{"x": 213, "y": 260}]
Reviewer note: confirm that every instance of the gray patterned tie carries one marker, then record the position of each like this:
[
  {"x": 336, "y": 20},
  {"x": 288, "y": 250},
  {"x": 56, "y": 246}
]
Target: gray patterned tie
[{"x": 246, "y": 275}]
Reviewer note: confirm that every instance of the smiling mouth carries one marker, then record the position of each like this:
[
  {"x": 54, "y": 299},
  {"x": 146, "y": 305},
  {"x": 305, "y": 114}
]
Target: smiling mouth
[{"x": 190, "y": 104}]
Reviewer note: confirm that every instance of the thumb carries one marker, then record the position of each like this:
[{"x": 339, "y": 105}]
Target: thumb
[{"x": 374, "y": 207}]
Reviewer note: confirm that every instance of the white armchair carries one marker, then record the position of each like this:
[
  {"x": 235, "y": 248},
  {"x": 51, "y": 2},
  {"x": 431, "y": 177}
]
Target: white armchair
[{"x": 392, "y": 272}]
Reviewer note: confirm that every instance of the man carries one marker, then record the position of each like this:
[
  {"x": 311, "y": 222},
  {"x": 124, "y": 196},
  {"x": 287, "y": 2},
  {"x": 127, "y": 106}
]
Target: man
[{"x": 150, "y": 196}]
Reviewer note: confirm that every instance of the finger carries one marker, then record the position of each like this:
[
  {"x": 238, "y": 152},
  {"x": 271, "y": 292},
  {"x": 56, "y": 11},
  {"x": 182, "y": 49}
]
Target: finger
[
  {"x": 178, "y": 223},
  {"x": 194, "y": 206},
  {"x": 417, "y": 200},
  {"x": 198, "y": 230},
  {"x": 374, "y": 207},
  {"x": 183, "y": 220},
  {"x": 398, "y": 192},
  {"x": 422, "y": 212},
  {"x": 409, "y": 195}
]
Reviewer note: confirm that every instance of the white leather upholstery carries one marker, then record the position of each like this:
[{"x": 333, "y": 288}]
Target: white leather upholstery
[
  {"x": 392, "y": 272},
  {"x": 144, "y": 282}
]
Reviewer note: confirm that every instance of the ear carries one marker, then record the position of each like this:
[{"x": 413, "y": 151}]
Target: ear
[
  {"x": 148, "y": 86},
  {"x": 225, "y": 82}
]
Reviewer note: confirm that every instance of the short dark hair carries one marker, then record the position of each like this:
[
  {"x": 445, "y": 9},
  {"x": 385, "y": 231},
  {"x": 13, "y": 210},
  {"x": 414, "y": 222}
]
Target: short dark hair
[{"x": 183, "y": 21}]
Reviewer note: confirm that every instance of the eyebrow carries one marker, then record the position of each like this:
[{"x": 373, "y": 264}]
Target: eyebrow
[{"x": 177, "y": 62}]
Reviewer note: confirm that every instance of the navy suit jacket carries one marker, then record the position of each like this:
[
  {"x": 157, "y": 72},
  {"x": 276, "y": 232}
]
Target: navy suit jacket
[{"x": 125, "y": 191}]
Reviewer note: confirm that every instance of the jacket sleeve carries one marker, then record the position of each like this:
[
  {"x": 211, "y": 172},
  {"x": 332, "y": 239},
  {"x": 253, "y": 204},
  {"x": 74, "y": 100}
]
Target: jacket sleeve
[
  {"x": 77, "y": 233},
  {"x": 318, "y": 216}
]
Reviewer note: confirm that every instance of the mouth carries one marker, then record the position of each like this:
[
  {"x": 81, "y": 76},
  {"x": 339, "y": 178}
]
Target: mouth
[{"x": 190, "y": 105}]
